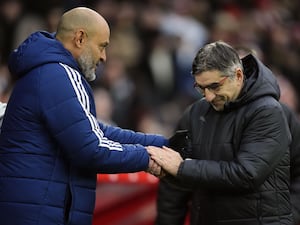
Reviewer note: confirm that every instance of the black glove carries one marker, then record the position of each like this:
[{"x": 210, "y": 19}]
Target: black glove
[{"x": 181, "y": 143}]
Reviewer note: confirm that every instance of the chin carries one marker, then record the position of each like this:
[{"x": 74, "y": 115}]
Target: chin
[
  {"x": 90, "y": 76},
  {"x": 218, "y": 107}
]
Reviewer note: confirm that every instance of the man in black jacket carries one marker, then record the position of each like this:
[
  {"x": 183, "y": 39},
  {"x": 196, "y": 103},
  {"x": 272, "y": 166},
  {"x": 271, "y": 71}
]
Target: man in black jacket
[
  {"x": 237, "y": 172},
  {"x": 173, "y": 201},
  {"x": 294, "y": 125}
]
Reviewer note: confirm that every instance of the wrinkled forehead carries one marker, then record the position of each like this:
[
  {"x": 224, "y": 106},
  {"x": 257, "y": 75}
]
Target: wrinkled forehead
[{"x": 209, "y": 76}]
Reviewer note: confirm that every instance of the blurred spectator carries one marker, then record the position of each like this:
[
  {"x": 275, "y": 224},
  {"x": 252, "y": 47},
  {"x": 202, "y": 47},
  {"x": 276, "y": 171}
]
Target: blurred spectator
[
  {"x": 4, "y": 83},
  {"x": 10, "y": 14},
  {"x": 52, "y": 18},
  {"x": 121, "y": 89},
  {"x": 191, "y": 34},
  {"x": 153, "y": 43},
  {"x": 104, "y": 106},
  {"x": 288, "y": 92},
  {"x": 28, "y": 23}
]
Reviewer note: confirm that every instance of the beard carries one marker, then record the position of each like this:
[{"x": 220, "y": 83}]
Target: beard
[{"x": 85, "y": 61}]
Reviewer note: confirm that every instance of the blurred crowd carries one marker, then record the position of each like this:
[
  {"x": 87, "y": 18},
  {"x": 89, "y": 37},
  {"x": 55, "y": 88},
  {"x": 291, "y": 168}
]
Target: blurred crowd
[{"x": 146, "y": 82}]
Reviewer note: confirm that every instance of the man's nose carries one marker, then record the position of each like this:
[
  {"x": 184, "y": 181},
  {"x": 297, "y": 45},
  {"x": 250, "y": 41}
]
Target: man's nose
[
  {"x": 209, "y": 95},
  {"x": 103, "y": 56}
]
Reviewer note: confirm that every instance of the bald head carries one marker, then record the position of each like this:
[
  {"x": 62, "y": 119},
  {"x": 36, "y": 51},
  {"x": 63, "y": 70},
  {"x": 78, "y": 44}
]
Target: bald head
[
  {"x": 85, "y": 33},
  {"x": 80, "y": 18}
]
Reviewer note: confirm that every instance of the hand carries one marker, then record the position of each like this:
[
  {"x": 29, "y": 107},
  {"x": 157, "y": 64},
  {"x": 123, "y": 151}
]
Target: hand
[
  {"x": 155, "y": 169},
  {"x": 167, "y": 158}
]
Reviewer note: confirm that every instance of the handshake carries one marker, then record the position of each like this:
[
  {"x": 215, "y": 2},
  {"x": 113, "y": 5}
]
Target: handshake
[{"x": 166, "y": 160}]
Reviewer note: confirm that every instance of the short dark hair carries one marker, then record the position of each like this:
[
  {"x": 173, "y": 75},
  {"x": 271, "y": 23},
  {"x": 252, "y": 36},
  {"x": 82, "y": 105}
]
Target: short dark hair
[{"x": 217, "y": 56}]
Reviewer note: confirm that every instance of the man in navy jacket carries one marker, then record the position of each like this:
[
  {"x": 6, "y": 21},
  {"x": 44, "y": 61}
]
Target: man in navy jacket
[{"x": 51, "y": 145}]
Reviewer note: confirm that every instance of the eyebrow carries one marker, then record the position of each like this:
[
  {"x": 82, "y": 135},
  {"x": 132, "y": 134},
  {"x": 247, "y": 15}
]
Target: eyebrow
[
  {"x": 105, "y": 44},
  {"x": 218, "y": 84},
  {"x": 207, "y": 86}
]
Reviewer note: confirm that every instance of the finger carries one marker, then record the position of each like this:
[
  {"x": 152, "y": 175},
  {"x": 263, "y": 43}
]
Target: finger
[
  {"x": 153, "y": 151},
  {"x": 150, "y": 163},
  {"x": 162, "y": 174},
  {"x": 156, "y": 169},
  {"x": 168, "y": 149},
  {"x": 153, "y": 148},
  {"x": 157, "y": 160},
  {"x": 157, "y": 157}
]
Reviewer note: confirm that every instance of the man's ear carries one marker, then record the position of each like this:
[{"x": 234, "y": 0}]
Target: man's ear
[
  {"x": 80, "y": 38},
  {"x": 239, "y": 74}
]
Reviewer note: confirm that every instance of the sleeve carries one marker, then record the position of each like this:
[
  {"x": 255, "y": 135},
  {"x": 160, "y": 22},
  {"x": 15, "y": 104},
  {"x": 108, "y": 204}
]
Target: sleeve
[
  {"x": 126, "y": 136},
  {"x": 172, "y": 204},
  {"x": 294, "y": 125},
  {"x": 264, "y": 143},
  {"x": 65, "y": 103},
  {"x": 173, "y": 196}
]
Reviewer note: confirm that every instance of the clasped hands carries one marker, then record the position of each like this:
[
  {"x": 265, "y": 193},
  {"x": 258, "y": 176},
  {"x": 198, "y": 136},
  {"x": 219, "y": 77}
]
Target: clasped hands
[{"x": 163, "y": 160}]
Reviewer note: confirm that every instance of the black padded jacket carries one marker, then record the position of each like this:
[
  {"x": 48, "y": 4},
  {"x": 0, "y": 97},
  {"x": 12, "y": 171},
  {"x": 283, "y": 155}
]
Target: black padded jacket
[
  {"x": 238, "y": 171},
  {"x": 294, "y": 124}
]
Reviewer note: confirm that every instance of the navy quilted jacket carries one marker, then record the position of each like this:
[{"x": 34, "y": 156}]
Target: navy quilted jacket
[{"x": 52, "y": 146}]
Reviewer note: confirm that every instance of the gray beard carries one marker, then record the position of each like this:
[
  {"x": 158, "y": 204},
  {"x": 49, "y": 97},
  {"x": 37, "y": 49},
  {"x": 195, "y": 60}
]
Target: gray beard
[
  {"x": 89, "y": 75},
  {"x": 86, "y": 69}
]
